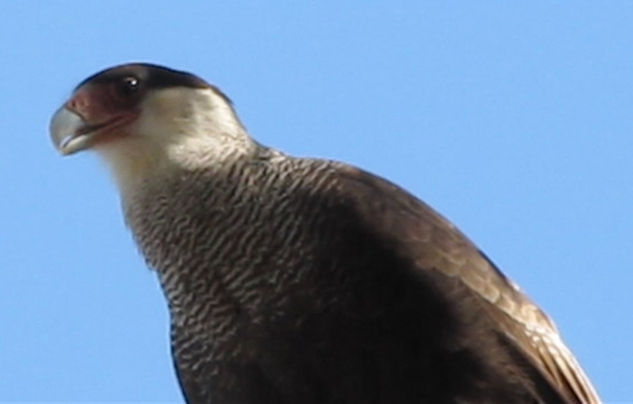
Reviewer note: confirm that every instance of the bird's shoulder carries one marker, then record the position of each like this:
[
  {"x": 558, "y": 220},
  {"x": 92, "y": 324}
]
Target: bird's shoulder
[{"x": 435, "y": 247}]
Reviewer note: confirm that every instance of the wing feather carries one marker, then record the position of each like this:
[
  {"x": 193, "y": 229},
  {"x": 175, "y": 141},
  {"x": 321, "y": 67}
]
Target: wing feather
[{"x": 437, "y": 245}]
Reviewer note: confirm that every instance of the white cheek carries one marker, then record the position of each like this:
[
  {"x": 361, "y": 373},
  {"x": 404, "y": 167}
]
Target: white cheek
[{"x": 177, "y": 128}]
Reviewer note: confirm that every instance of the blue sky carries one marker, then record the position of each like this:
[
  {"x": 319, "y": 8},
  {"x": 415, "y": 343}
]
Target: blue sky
[{"x": 513, "y": 120}]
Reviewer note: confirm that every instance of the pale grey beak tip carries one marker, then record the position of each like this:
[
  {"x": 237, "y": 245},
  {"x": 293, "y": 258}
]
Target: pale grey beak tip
[{"x": 64, "y": 131}]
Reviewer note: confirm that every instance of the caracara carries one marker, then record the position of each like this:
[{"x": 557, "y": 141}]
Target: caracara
[{"x": 300, "y": 280}]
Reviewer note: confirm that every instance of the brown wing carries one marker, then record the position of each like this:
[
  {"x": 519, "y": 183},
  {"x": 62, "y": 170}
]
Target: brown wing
[{"x": 435, "y": 244}]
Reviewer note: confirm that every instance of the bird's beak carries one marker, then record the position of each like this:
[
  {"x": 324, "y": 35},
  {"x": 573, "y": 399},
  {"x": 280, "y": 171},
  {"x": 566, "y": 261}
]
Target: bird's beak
[{"x": 69, "y": 132}]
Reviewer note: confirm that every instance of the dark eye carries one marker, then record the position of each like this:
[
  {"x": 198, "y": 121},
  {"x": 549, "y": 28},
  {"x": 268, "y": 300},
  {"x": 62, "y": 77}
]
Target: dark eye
[{"x": 129, "y": 86}]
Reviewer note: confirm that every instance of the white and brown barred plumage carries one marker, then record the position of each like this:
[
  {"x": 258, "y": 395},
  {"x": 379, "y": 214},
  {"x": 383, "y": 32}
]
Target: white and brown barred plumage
[{"x": 293, "y": 280}]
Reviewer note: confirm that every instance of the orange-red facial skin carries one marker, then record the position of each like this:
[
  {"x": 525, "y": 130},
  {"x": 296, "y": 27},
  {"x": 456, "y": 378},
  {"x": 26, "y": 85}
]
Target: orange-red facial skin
[{"x": 105, "y": 112}]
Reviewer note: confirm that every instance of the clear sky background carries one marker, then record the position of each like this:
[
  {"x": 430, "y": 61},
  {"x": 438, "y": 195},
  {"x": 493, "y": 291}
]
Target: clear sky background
[{"x": 513, "y": 119}]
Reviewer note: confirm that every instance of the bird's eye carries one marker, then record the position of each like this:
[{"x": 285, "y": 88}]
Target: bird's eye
[{"x": 128, "y": 87}]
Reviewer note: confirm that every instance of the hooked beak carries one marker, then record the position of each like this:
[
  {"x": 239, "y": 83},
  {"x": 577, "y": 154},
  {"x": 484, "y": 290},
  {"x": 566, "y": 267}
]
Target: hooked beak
[{"x": 69, "y": 132}]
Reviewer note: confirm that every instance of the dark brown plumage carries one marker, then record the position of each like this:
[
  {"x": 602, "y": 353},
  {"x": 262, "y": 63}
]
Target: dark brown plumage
[{"x": 300, "y": 280}]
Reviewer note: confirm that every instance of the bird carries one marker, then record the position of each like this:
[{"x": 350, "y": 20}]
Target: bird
[{"x": 304, "y": 280}]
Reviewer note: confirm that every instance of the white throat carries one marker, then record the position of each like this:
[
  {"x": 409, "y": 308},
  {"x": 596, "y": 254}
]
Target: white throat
[{"x": 178, "y": 128}]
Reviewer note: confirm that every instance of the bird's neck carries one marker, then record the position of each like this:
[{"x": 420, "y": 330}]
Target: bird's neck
[{"x": 134, "y": 166}]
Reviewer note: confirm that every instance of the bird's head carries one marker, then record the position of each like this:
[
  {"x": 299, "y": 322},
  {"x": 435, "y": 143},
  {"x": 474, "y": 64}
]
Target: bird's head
[{"x": 142, "y": 117}]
